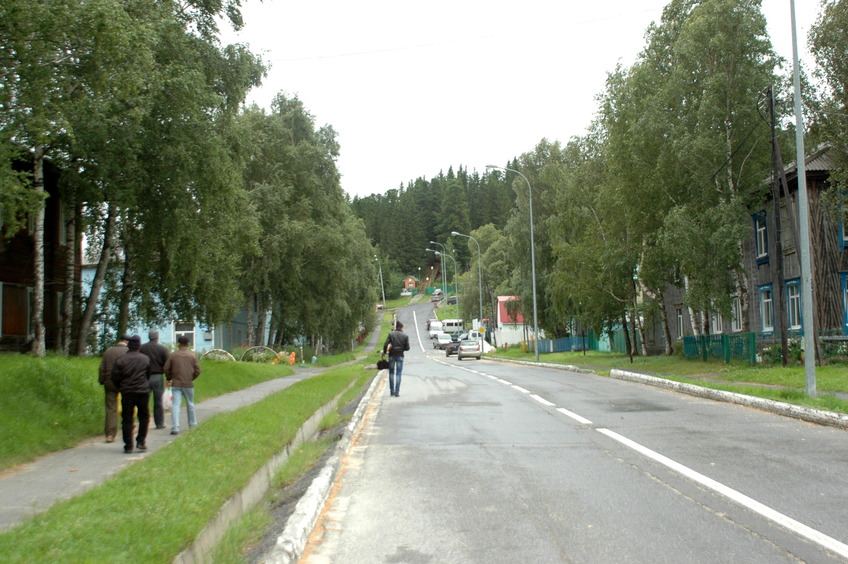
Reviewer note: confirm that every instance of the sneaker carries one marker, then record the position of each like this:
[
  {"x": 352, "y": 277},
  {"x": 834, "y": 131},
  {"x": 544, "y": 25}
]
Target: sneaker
[
  {"x": 175, "y": 432},
  {"x": 110, "y": 438},
  {"x": 160, "y": 426},
  {"x": 141, "y": 446},
  {"x": 127, "y": 450}
]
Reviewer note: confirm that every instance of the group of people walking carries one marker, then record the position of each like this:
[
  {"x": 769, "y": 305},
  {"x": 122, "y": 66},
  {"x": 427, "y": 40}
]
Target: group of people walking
[{"x": 135, "y": 371}]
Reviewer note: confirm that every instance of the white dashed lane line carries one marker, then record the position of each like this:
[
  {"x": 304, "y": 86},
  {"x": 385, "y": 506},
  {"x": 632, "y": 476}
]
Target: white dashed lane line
[{"x": 737, "y": 497}]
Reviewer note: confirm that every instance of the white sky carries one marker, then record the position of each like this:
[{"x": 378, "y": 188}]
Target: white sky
[{"x": 414, "y": 89}]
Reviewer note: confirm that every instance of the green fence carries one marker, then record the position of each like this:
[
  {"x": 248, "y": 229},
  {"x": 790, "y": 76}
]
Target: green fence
[{"x": 739, "y": 346}]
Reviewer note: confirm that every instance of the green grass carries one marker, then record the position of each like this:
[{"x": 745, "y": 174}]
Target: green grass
[
  {"x": 175, "y": 491},
  {"x": 55, "y": 402},
  {"x": 779, "y": 383}
]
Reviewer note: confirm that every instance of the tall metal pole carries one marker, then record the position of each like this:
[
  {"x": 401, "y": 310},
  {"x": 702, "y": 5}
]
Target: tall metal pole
[
  {"x": 479, "y": 269},
  {"x": 532, "y": 258},
  {"x": 455, "y": 280},
  {"x": 803, "y": 223}
]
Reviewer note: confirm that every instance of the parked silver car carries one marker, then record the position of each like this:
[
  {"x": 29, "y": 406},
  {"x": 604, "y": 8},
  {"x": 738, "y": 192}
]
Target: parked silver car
[
  {"x": 441, "y": 340},
  {"x": 469, "y": 349}
]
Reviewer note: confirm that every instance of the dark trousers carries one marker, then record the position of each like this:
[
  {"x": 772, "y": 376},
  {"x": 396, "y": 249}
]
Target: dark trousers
[
  {"x": 157, "y": 386},
  {"x": 128, "y": 403}
]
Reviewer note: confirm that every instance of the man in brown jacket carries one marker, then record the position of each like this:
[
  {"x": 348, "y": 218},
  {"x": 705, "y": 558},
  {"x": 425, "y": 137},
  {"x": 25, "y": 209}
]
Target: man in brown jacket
[
  {"x": 131, "y": 374},
  {"x": 105, "y": 377},
  {"x": 182, "y": 369}
]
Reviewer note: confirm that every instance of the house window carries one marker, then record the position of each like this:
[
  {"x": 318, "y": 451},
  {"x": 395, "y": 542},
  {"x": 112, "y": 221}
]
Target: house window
[
  {"x": 184, "y": 328},
  {"x": 716, "y": 322},
  {"x": 793, "y": 302},
  {"x": 679, "y": 323},
  {"x": 761, "y": 240},
  {"x": 736, "y": 311},
  {"x": 766, "y": 308}
]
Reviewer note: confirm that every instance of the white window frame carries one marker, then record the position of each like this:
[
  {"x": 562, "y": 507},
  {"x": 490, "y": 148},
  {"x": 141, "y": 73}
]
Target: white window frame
[
  {"x": 679, "y": 323},
  {"x": 762, "y": 236},
  {"x": 766, "y": 308},
  {"x": 736, "y": 324},
  {"x": 716, "y": 323},
  {"x": 180, "y": 330},
  {"x": 793, "y": 305}
]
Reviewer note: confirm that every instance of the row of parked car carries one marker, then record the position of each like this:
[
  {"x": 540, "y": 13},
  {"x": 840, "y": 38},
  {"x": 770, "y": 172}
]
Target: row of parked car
[{"x": 458, "y": 344}]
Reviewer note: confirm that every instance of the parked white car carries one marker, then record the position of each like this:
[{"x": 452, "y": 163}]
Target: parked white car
[
  {"x": 441, "y": 341},
  {"x": 435, "y": 328}
]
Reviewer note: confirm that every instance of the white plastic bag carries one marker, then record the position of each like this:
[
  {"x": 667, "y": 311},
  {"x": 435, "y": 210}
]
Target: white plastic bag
[{"x": 167, "y": 399}]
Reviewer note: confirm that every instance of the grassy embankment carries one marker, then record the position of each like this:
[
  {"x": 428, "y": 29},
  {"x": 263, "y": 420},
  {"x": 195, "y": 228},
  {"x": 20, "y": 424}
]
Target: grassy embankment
[
  {"x": 54, "y": 403},
  {"x": 779, "y": 383},
  {"x": 175, "y": 491}
]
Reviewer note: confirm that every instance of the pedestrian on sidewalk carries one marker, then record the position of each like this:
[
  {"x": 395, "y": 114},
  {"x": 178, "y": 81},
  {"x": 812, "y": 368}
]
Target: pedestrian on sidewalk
[
  {"x": 158, "y": 355},
  {"x": 396, "y": 343},
  {"x": 181, "y": 370},
  {"x": 131, "y": 375},
  {"x": 110, "y": 427}
]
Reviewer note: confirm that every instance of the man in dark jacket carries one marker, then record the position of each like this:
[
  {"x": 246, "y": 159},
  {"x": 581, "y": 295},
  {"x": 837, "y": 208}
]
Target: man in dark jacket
[
  {"x": 157, "y": 354},
  {"x": 131, "y": 374},
  {"x": 111, "y": 392},
  {"x": 396, "y": 343}
]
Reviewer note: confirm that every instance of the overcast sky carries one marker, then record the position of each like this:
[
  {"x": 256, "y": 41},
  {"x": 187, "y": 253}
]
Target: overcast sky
[{"x": 412, "y": 89}]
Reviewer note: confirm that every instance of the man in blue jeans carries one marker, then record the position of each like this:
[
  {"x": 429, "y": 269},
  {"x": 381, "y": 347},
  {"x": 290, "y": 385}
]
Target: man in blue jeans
[{"x": 396, "y": 343}]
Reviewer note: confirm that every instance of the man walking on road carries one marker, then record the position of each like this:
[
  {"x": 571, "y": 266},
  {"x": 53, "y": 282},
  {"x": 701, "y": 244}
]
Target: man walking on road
[
  {"x": 158, "y": 355},
  {"x": 396, "y": 343},
  {"x": 131, "y": 374},
  {"x": 182, "y": 369},
  {"x": 112, "y": 354}
]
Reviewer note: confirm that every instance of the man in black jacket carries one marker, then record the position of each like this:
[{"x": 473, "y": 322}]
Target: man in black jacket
[
  {"x": 131, "y": 375},
  {"x": 158, "y": 355},
  {"x": 396, "y": 343}
]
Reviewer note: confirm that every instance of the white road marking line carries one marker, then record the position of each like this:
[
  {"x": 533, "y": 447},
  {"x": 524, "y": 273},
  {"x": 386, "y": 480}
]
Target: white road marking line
[
  {"x": 578, "y": 418},
  {"x": 738, "y": 497},
  {"x": 541, "y": 400},
  {"x": 520, "y": 389}
]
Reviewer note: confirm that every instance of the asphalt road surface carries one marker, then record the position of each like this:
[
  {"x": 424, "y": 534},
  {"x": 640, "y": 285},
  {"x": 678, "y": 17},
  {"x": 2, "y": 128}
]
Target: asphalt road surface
[{"x": 481, "y": 461}]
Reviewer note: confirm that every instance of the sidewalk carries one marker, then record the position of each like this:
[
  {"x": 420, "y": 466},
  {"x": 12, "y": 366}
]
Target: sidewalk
[{"x": 29, "y": 489}]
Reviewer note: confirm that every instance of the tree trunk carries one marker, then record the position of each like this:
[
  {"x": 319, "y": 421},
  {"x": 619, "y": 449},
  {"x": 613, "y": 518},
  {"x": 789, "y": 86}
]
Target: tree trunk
[
  {"x": 70, "y": 275},
  {"x": 262, "y": 316},
  {"x": 91, "y": 303},
  {"x": 127, "y": 283},
  {"x": 251, "y": 333},
  {"x": 39, "y": 336},
  {"x": 694, "y": 320}
]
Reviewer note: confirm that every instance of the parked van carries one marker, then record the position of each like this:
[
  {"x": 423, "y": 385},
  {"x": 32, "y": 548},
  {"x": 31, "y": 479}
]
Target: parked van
[
  {"x": 435, "y": 328},
  {"x": 452, "y": 326}
]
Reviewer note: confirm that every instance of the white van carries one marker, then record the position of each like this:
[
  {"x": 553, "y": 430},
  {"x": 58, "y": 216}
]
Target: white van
[
  {"x": 452, "y": 326},
  {"x": 435, "y": 328}
]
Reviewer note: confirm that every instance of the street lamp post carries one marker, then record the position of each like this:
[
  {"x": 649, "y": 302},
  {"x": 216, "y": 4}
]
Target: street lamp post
[
  {"x": 444, "y": 283},
  {"x": 479, "y": 269},
  {"x": 532, "y": 256},
  {"x": 455, "y": 280}
]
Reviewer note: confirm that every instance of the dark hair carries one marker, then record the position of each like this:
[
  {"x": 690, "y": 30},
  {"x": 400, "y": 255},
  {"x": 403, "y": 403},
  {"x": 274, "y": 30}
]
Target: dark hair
[
  {"x": 183, "y": 339},
  {"x": 398, "y": 325}
]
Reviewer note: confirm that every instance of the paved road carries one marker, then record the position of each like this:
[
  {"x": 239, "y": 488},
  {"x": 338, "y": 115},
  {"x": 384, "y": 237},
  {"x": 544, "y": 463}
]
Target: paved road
[{"x": 480, "y": 461}]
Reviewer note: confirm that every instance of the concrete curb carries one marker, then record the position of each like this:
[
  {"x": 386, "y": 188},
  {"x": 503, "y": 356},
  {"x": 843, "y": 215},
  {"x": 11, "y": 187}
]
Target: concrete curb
[
  {"x": 254, "y": 491},
  {"x": 292, "y": 541},
  {"x": 812, "y": 415}
]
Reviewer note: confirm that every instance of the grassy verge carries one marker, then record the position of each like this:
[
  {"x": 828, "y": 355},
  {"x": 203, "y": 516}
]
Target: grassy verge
[
  {"x": 55, "y": 402},
  {"x": 780, "y": 383},
  {"x": 175, "y": 491}
]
